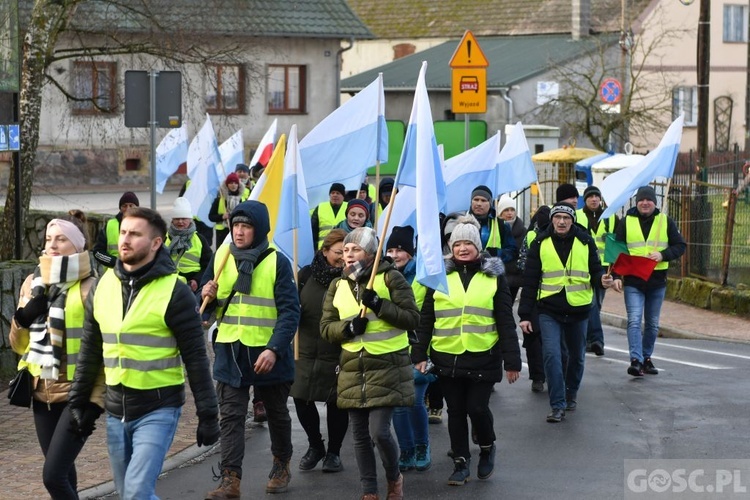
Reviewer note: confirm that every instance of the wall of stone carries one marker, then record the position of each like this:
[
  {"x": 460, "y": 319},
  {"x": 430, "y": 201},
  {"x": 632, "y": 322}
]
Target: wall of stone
[{"x": 707, "y": 295}]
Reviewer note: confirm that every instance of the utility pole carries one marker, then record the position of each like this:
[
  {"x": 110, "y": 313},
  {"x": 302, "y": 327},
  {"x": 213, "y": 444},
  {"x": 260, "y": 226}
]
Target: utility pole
[
  {"x": 704, "y": 66},
  {"x": 747, "y": 94}
]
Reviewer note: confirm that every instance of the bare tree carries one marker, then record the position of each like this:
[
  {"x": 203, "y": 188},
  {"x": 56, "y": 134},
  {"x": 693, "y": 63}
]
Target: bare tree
[
  {"x": 58, "y": 30},
  {"x": 647, "y": 93}
]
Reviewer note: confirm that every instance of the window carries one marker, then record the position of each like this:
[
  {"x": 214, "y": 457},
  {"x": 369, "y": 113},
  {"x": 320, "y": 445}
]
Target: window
[
  {"x": 226, "y": 89},
  {"x": 94, "y": 82},
  {"x": 735, "y": 23},
  {"x": 685, "y": 100},
  {"x": 287, "y": 89}
]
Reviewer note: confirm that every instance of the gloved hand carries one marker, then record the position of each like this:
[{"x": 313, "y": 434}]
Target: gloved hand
[
  {"x": 208, "y": 431},
  {"x": 357, "y": 326},
  {"x": 31, "y": 311},
  {"x": 83, "y": 420},
  {"x": 370, "y": 299}
]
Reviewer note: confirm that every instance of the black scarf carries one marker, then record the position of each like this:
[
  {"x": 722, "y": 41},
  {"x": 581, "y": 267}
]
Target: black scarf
[
  {"x": 322, "y": 271},
  {"x": 246, "y": 259}
]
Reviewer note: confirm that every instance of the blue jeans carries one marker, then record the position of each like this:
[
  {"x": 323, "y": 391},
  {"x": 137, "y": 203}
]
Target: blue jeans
[
  {"x": 595, "y": 333},
  {"x": 556, "y": 336},
  {"x": 137, "y": 450},
  {"x": 410, "y": 422},
  {"x": 643, "y": 305}
]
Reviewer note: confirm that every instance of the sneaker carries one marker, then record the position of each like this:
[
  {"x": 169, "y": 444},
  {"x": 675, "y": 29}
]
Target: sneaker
[
  {"x": 636, "y": 368},
  {"x": 259, "y": 412},
  {"x": 486, "y": 461},
  {"x": 407, "y": 460},
  {"x": 556, "y": 415},
  {"x": 597, "y": 349},
  {"x": 332, "y": 463},
  {"x": 422, "y": 457},
  {"x": 435, "y": 416},
  {"x": 537, "y": 386},
  {"x": 649, "y": 368},
  {"x": 571, "y": 405},
  {"x": 461, "y": 472},
  {"x": 279, "y": 477},
  {"x": 311, "y": 458},
  {"x": 228, "y": 488}
]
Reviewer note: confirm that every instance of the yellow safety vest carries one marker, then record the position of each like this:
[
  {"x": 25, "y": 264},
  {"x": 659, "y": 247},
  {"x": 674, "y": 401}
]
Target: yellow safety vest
[
  {"x": 73, "y": 330},
  {"x": 380, "y": 337},
  {"x": 495, "y": 239},
  {"x": 223, "y": 207},
  {"x": 113, "y": 236},
  {"x": 658, "y": 239},
  {"x": 248, "y": 318},
  {"x": 327, "y": 221},
  {"x": 605, "y": 226},
  {"x": 139, "y": 349},
  {"x": 190, "y": 262},
  {"x": 464, "y": 319},
  {"x": 574, "y": 276}
]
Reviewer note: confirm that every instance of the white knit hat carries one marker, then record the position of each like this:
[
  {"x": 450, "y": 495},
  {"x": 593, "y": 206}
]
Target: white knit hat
[
  {"x": 365, "y": 237},
  {"x": 181, "y": 209},
  {"x": 505, "y": 202},
  {"x": 466, "y": 229}
]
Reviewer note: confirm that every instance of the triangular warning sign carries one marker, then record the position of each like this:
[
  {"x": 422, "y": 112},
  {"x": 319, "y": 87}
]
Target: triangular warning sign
[{"x": 468, "y": 54}]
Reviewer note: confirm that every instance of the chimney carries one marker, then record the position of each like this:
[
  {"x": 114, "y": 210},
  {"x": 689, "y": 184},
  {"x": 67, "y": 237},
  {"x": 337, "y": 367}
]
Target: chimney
[{"x": 581, "y": 19}]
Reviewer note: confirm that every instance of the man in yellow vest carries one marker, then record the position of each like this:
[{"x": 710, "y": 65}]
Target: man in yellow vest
[
  {"x": 497, "y": 239},
  {"x": 648, "y": 233},
  {"x": 590, "y": 217},
  {"x": 105, "y": 247},
  {"x": 142, "y": 325},
  {"x": 257, "y": 313},
  {"x": 562, "y": 269},
  {"x": 328, "y": 214}
]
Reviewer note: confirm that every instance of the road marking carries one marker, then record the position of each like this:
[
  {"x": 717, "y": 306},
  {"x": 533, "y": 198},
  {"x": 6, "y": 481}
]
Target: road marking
[
  {"x": 741, "y": 356},
  {"x": 678, "y": 361}
]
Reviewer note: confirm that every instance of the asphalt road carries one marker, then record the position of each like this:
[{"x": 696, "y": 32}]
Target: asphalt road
[{"x": 695, "y": 409}]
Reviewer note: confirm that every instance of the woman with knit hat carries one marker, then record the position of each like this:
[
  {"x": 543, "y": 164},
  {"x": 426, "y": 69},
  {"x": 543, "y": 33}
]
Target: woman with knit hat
[
  {"x": 105, "y": 247},
  {"x": 376, "y": 373},
  {"x": 471, "y": 336},
  {"x": 45, "y": 331},
  {"x": 506, "y": 211},
  {"x": 231, "y": 194},
  {"x": 357, "y": 215}
]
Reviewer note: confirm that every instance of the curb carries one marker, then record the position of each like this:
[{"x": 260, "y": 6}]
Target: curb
[{"x": 666, "y": 332}]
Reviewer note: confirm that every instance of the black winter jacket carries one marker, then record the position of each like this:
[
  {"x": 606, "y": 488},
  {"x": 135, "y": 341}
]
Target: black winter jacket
[
  {"x": 183, "y": 320},
  {"x": 485, "y": 366}
]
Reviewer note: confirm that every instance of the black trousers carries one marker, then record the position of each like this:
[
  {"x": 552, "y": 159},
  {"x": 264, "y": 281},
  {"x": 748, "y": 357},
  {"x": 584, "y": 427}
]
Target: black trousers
[
  {"x": 468, "y": 398},
  {"x": 60, "y": 448},
  {"x": 337, "y": 421}
]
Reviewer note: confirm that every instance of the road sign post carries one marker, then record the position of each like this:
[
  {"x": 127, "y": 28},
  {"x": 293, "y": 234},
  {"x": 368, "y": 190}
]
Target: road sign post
[{"x": 468, "y": 80}]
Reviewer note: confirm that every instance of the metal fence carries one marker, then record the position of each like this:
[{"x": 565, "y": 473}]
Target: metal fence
[{"x": 714, "y": 220}]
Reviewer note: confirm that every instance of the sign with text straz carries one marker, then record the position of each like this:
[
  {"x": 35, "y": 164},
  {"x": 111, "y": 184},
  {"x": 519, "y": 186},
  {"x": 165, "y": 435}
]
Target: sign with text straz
[{"x": 469, "y": 77}]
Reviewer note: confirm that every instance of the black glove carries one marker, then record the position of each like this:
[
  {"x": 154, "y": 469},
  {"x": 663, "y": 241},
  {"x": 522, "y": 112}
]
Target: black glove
[
  {"x": 357, "y": 326},
  {"x": 370, "y": 299},
  {"x": 208, "y": 431},
  {"x": 83, "y": 420},
  {"x": 34, "y": 308}
]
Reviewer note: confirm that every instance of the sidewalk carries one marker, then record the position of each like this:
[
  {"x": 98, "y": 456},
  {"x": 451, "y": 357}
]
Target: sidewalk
[{"x": 21, "y": 460}]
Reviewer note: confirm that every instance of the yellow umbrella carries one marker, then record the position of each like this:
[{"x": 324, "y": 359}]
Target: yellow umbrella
[{"x": 566, "y": 154}]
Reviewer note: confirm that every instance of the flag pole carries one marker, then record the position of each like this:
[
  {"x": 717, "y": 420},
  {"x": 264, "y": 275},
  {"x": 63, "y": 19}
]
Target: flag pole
[
  {"x": 539, "y": 190},
  {"x": 216, "y": 278},
  {"x": 375, "y": 263},
  {"x": 296, "y": 280},
  {"x": 295, "y": 250},
  {"x": 377, "y": 160}
]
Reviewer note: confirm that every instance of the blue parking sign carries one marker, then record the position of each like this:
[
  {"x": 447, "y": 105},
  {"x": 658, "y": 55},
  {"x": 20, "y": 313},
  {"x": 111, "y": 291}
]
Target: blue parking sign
[
  {"x": 3, "y": 138},
  {"x": 14, "y": 137}
]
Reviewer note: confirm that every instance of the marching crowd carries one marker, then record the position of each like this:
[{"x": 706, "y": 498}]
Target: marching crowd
[{"x": 114, "y": 328}]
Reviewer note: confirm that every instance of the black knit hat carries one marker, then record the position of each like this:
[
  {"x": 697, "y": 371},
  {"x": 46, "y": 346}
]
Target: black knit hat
[
  {"x": 591, "y": 191},
  {"x": 337, "y": 186},
  {"x": 565, "y": 191},
  {"x": 645, "y": 193},
  {"x": 482, "y": 191},
  {"x": 401, "y": 237},
  {"x": 129, "y": 197}
]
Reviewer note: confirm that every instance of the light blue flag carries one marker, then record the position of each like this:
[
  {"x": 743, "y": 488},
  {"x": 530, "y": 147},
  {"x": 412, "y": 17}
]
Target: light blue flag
[
  {"x": 232, "y": 152},
  {"x": 170, "y": 154},
  {"x": 203, "y": 163},
  {"x": 294, "y": 211},
  {"x": 618, "y": 187},
  {"x": 464, "y": 172},
  {"x": 515, "y": 170},
  {"x": 419, "y": 180},
  {"x": 346, "y": 143}
]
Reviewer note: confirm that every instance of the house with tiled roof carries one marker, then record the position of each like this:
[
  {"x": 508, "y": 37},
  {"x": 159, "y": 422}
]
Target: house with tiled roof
[
  {"x": 252, "y": 61},
  {"x": 529, "y": 42}
]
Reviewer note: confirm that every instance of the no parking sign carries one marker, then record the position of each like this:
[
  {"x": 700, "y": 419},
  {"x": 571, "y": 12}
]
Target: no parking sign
[{"x": 610, "y": 91}]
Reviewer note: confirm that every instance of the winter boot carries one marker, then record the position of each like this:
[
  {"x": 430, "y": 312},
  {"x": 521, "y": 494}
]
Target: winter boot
[
  {"x": 228, "y": 488},
  {"x": 396, "y": 489},
  {"x": 279, "y": 477}
]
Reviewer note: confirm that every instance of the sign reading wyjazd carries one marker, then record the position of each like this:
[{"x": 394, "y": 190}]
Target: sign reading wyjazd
[
  {"x": 469, "y": 77},
  {"x": 9, "y": 63}
]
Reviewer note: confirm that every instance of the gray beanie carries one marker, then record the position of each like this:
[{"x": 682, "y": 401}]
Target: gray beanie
[
  {"x": 365, "y": 237},
  {"x": 466, "y": 229}
]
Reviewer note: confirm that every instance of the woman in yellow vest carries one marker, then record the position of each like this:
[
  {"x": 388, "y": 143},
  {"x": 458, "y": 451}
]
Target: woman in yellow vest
[
  {"x": 471, "y": 336},
  {"x": 231, "y": 194},
  {"x": 46, "y": 331},
  {"x": 375, "y": 369},
  {"x": 190, "y": 252}
]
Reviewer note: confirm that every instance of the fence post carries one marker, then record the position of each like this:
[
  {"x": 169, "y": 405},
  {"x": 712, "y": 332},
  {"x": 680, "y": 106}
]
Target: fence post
[{"x": 726, "y": 254}]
